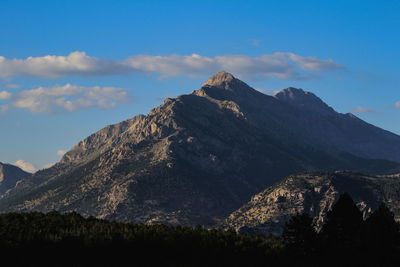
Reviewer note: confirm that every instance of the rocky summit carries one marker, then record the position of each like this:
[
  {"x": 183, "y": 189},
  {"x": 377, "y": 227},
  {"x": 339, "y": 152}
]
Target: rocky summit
[
  {"x": 198, "y": 157},
  {"x": 314, "y": 194}
]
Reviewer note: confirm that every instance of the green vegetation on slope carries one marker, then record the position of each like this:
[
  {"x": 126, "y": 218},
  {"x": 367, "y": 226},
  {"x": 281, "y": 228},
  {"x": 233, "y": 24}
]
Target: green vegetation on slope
[
  {"x": 70, "y": 240},
  {"x": 53, "y": 239}
]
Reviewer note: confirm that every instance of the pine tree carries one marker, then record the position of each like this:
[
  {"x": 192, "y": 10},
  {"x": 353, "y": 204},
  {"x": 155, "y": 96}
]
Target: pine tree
[
  {"x": 380, "y": 231},
  {"x": 299, "y": 235},
  {"x": 342, "y": 225}
]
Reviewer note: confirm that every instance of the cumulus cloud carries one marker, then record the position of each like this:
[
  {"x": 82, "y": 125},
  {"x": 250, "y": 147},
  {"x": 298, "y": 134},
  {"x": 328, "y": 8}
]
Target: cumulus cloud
[
  {"x": 362, "y": 110},
  {"x": 61, "y": 152},
  {"x": 5, "y": 95},
  {"x": 69, "y": 98},
  {"x": 397, "y": 104},
  {"x": 281, "y": 65},
  {"x": 26, "y": 166},
  {"x": 76, "y": 63}
]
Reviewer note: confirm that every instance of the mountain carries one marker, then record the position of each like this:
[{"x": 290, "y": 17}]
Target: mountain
[
  {"x": 313, "y": 193},
  {"x": 304, "y": 100},
  {"x": 198, "y": 157},
  {"x": 10, "y": 175},
  {"x": 345, "y": 131}
]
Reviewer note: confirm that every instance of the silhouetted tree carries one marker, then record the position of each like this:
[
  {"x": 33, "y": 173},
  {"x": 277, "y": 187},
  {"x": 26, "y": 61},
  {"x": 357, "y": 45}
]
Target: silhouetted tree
[
  {"x": 299, "y": 235},
  {"x": 342, "y": 225},
  {"x": 379, "y": 231}
]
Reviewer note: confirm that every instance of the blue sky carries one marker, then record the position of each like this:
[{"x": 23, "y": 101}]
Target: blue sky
[{"x": 69, "y": 68}]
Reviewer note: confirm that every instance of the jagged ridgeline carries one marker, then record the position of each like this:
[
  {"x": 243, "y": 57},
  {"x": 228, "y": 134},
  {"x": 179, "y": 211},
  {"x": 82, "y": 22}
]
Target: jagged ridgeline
[{"x": 198, "y": 157}]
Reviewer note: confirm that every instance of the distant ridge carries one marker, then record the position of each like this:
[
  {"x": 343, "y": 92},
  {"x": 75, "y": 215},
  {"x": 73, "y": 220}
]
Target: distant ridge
[{"x": 303, "y": 99}]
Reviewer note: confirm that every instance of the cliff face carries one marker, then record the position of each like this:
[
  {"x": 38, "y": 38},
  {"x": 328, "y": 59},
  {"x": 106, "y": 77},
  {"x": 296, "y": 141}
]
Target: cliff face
[
  {"x": 314, "y": 194},
  {"x": 198, "y": 157}
]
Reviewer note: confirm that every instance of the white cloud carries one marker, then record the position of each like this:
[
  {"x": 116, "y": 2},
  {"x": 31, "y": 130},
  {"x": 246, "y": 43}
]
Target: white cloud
[
  {"x": 268, "y": 91},
  {"x": 46, "y": 166},
  {"x": 312, "y": 63},
  {"x": 397, "y": 104},
  {"x": 76, "y": 63},
  {"x": 61, "y": 152},
  {"x": 281, "y": 65},
  {"x": 26, "y": 166},
  {"x": 69, "y": 98},
  {"x": 362, "y": 110},
  {"x": 5, "y": 95},
  {"x": 278, "y": 65}
]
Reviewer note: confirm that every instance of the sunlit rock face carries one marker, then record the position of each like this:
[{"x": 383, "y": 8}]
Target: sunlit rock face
[
  {"x": 198, "y": 157},
  {"x": 314, "y": 194}
]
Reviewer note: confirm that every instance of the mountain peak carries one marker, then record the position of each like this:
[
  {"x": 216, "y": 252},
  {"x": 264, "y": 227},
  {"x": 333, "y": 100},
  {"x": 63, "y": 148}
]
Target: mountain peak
[
  {"x": 225, "y": 80},
  {"x": 300, "y": 98},
  {"x": 223, "y": 85},
  {"x": 219, "y": 79},
  {"x": 292, "y": 92}
]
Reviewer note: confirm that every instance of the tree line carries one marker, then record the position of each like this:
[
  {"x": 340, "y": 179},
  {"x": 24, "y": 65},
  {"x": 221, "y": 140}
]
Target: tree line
[{"x": 54, "y": 239}]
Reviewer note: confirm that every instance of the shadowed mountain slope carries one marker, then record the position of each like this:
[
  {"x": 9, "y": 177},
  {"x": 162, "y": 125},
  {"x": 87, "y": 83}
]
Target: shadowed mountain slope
[
  {"x": 10, "y": 175},
  {"x": 198, "y": 157}
]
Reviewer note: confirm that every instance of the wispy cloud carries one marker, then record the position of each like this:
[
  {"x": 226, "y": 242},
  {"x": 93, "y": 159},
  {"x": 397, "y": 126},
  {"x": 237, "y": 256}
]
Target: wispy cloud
[
  {"x": 362, "y": 110},
  {"x": 30, "y": 167},
  {"x": 13, "y": 86},
  {"x": 46, "y": 166},
  {"x": 397, "y": 104},
  {"x": 267, "y": 91},
  {"x": 68, "y": 98},
  {"x": 4, "y": 108},
  {"x": 5, "y": 95},
  {"x": 26, "y": 166},
  {"x": 280, "y": 65},
  {"x": 312, "y": 63},
  {"x": 76, "y": 63},
  {"x": 255, "y": 42},
  {"x": 61, "y": 152}
]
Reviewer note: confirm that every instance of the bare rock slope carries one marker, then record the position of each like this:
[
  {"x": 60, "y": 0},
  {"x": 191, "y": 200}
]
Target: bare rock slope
[
  {"x": 198, "y": 157},
  {"x": 313, "y": 193}
]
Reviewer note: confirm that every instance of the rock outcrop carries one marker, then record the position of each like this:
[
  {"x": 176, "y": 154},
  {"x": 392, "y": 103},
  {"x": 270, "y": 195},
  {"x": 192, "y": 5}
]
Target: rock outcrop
[{"x": 314, "y": 194}]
